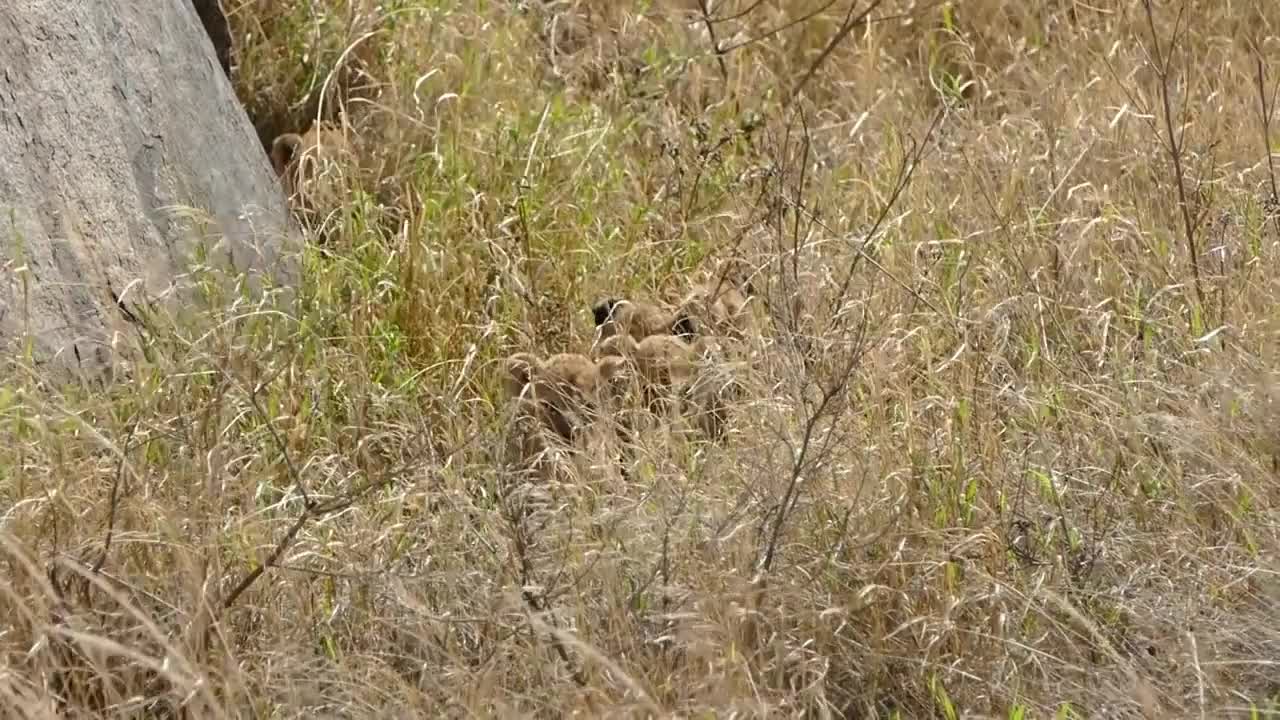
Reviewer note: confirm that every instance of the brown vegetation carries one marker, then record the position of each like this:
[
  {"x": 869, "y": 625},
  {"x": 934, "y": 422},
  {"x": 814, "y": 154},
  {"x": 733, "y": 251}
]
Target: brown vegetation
[{"x": 1003, "y": 443}]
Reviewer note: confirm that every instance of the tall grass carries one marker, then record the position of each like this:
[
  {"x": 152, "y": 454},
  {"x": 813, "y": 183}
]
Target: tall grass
[{"x": 1007, "y": 446}]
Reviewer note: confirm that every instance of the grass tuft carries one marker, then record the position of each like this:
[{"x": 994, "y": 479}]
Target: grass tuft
[{"x": 1005, "y": 444}]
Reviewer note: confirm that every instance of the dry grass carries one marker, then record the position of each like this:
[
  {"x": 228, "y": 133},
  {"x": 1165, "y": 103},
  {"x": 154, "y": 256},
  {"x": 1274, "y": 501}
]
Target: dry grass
[{"x": 1008, "y": 441}]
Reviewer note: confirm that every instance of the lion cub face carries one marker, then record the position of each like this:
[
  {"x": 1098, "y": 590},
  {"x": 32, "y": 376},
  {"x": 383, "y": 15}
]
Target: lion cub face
[
  {"x": 302, "y": 160},
  {"x": 718, "y": 306},
  {"x": 639, "y": 320},
  {"x": 715, "y": 308},
  {"x": 566, "y": 391},
  {"x": 680, "y": 376}
]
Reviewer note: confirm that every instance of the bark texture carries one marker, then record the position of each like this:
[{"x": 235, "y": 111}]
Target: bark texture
[{"x": 113, "y": 113}]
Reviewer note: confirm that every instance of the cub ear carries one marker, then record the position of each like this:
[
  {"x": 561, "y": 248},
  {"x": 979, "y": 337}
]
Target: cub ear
[
  {"x": 519, "y": 368},
  {"x": 603, "y": 310}
]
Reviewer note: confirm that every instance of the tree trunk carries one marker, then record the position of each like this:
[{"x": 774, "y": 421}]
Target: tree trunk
[{"x": 112, "y": 114}]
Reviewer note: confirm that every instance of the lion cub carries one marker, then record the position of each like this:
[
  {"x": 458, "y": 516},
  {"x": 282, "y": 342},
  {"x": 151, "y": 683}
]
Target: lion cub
[
  {"x": 719, "y": 305},
  {"x": 678, "y": 376},
  {"x": 302, "y": 160},
  {"x": 715, "y": 307},
  {"x": 639, "y": 320},
  {"x": 566, "y": 391},
  {"x": 712, "y": 308},
  {"x": 558, "y": 401}
]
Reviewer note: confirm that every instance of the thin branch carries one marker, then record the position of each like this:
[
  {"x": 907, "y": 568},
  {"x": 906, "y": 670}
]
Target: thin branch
[
  {"x": 283, "y": 544},
  {"x": 535, "y": 603},
  {"x": 810, "y": 448},
  {"x": 312, "y": 511},
  {"x": 113, "y": 503},
  {"x": 780, "y": 28},
  {"x": 805, "y": 149},
  {"x": 850, "y": 22},
  {"x": 715, "y": 44},
  {"x": 739, "y": 14},
  {"x": 801, "y": 457},
  {"x": 1175, "y": 143},
  {"x": 279, "y": 441},
  {"x": 316, "y": 510},
  {"x": 910, "y": 162},
  {"x": 765, "y": 35},
  {"x": 1265, "y": 108}
]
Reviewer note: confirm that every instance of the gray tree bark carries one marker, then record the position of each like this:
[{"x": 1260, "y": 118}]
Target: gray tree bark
[{"x": 113, "y": 112}]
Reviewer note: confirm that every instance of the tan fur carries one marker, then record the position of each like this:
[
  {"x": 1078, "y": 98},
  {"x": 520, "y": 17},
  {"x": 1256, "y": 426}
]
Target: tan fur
[
  {"x": 558, "y": 401},
  {"x": 662, "y": 359},
  {"x": 677, "y": 376},
  {"x": 717, "y": 306},
  {"x": 717, "y": 309},
  {"x": 300, "y": 159},
  {"x": 566, "y": 391},
  {"x": 636, "y": 319}
]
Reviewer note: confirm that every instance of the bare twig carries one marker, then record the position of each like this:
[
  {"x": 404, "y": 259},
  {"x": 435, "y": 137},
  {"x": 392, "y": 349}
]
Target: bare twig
[
  {"x": 1162, "y": 61},
  {"x": 813, "y": 444},
  {"x": 799, "y": 199},
  {"x": 113, "y": 502},
  {"x": 281, "y": 545},
  {"x": 777, "y": 216},
  {"x": 312, "y": 511},
  {"x": 535, "y": 602},
  {"x": 850, "y": 22},
  {"x": 739, "y": 14},
  {"x": 1265, "y": 107},
  {"x": 780, "y": 28},
  {"x": 715, "y": 44},
  {"x": 802, "y": 459},
  {"x": 279, "y": 441},
  {"x": 766, "y": 34},
  {"x": 911, "y": 161}
]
